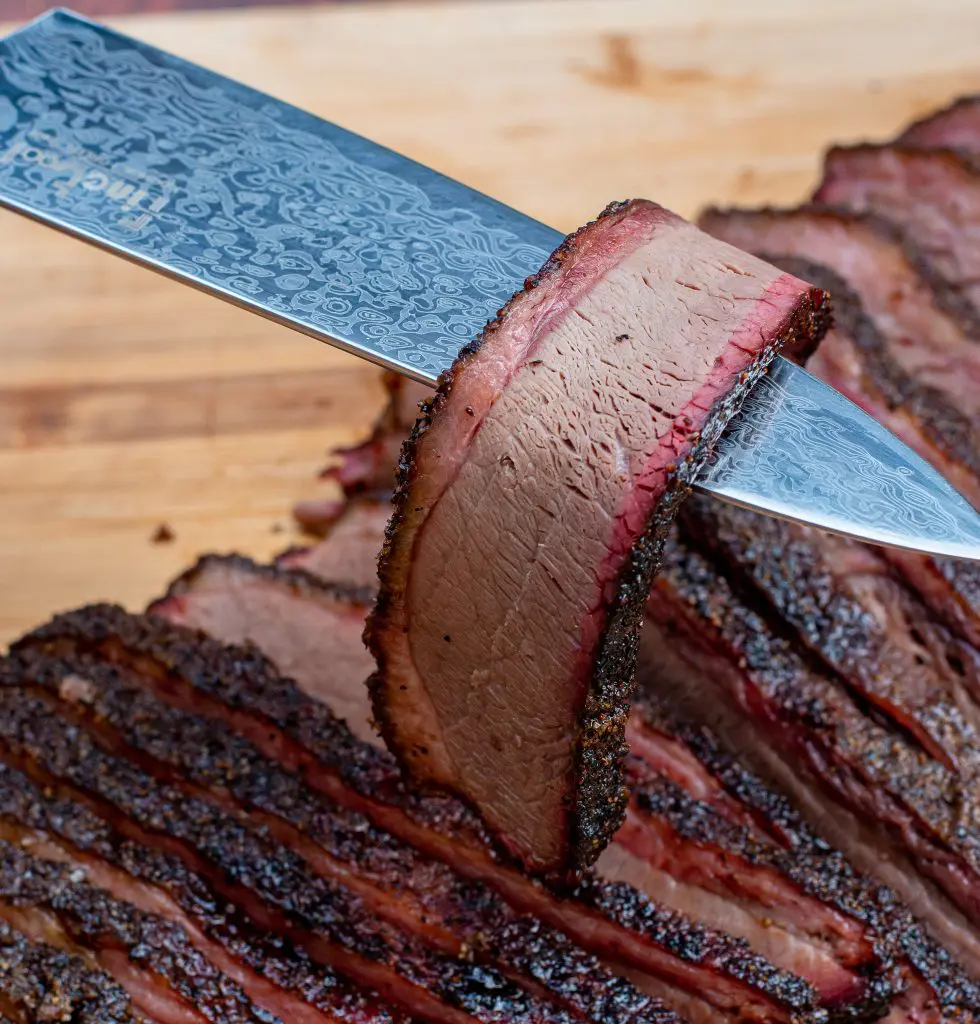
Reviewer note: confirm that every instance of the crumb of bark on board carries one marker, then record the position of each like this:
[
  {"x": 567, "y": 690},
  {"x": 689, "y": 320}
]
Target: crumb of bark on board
[{"x": 163, "y": 534}]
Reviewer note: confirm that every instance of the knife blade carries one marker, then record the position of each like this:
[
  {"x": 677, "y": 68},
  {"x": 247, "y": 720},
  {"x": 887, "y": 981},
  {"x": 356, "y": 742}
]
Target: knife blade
[{"x": 260, "y": 203}]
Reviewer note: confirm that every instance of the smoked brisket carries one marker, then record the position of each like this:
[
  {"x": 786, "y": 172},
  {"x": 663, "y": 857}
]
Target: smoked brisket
[{"x": 532, "y": 507}]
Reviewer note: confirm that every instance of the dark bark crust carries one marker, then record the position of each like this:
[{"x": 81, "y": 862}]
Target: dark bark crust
[
  {"x": 40, "y": 983},
  {"x": 176, "y": 745},
  {"x": 819, "y": 869},
  {"x": 598, "y": 793},
  {"x": 949, "y": 295},
  {"x": 241, "y": 679}
]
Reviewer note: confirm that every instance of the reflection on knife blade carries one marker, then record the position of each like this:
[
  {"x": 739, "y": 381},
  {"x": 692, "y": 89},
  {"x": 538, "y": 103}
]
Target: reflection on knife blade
[{"x": 253, "y": 200}]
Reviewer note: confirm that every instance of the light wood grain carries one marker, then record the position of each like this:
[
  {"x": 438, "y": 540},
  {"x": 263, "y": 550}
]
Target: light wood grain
[{"x": 127, "y": 401}]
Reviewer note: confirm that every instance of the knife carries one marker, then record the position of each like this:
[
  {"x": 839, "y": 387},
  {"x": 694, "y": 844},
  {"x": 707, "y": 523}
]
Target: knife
[{"x": 255, "y": 201}]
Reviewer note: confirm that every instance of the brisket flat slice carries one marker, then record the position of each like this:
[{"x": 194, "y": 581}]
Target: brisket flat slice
[
  {"x": 350, "y": 548},
  {"x": 663, "y": 951},
  {"x": 868, "y": 787},
  {"x": 692, "y": 757},
  {"x": 310, "y": 629},
  {"x": 275, "y": 887},
  {"x": 845, "y": 605},
  {"x": 955, "y": 127},
  {"x": 531, "y": 510},
  {"x": 931, "y": 195},
  {"x": 896, "y": 354}
]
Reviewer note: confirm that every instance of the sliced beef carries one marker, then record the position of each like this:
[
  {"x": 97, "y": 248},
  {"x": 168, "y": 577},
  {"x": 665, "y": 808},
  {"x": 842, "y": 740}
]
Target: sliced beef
[
  {"x": 147, "y": 956},
  {"x": 531, "y": 511},
  {"x": 895, "y": 353},
  {"x": 955, "y": 127},
  {"x": 349, "y": 551},
  {"x": 275, "y": 975},
  {"x": 310, "y": 629},
  {"x": 934, "y": 197},
  {"x": 846, "y": 606},
  {"x": 665, "y": 952},
  {"x": 41, "y": 983},
  {"x": 369, "y": 467},
  {"x": 413, "y": 892},
  {"x": 869, "y": 788},
  {"x": 691, "y": 757}
]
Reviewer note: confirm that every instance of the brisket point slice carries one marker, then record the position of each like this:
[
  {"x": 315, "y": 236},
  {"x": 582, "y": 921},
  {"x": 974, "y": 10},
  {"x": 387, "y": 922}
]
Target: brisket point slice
[
  {"x": 310, "y": 629},
  {"x": 573, "y": 428}
]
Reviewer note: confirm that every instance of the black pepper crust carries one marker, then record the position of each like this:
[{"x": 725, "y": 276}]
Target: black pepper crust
[
  {"x": 689, "y": 821},
  {"x": 93, "y": 920},
  {"x": 175, "y": 745},
  {"x": 299, "y": 581},
  {"x": 199, "y": 669},
  {"x": 89, "y": 839},
  {"x": 597, "y": 794},
  {"x": 40, "y": 983},
  {"x": 827, "y": 738},
  {"x": 791, "y": 568},
  {"x": 822, "y": 871},
  {"x": 240, "y": 684},
  {"x": 269, "y": 882}
]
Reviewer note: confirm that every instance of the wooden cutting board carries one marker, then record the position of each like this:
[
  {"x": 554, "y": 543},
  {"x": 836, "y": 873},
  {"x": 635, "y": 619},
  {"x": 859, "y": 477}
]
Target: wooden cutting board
[{"x": 129, "y": 401}]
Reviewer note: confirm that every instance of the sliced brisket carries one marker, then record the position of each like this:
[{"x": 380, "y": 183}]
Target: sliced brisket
[
  {"x": 41, "y": 983},
  {"x": 350, "y": 548},
  {"x": 868, "y": 787},
  {"x": 955, "y": 127},
  {"x": 531, "y": 512},
  {"x": 895, "y": 353},
  {"x": 934, "y": 197},
  {"x": 309, "y": 628},
  {"x": 670, "y": 954}
]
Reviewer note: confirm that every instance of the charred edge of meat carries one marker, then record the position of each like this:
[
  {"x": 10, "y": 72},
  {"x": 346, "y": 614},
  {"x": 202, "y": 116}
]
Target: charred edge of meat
[
  {"x": 949, "y": 296},
  {"x": 95, "y": 920},
  {"x": 298, "y": 580},
  {"x": 205, "y": 752},
  {"x": 941, "y": 422},
  {"x": 923, "y": 131},
  {"x": 818, "y": 868},
  {"x": 272, "y": 880},
  {"x": 601, "y": 796},
  {"x": 243, "y": 679},
  {"x": 222, "y": 674},
  {"x": 80, "y": 831},
  {"x": 40, "y": 983},
  {"x": 699, "y": 824}
]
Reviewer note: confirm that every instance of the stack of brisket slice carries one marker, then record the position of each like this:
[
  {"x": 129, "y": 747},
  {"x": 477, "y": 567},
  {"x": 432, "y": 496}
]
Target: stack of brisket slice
[{"x": 205, "y": 827}]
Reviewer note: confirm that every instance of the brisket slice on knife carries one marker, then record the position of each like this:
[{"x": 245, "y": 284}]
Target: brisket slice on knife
[
  {"x": 711, "y": 975},
  {"x": 895, "y": 353},
  {"x": 531, "y": 510}
]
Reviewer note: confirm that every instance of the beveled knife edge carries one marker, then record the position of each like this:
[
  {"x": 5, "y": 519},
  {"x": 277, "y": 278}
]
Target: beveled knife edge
[{"x": 255, "y": 201}]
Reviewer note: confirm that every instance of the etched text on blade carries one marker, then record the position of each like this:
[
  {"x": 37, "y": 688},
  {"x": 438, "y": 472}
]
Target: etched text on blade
[
  {"x": 801, "y": 450},
  {"x": 140, "y": 151}
]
